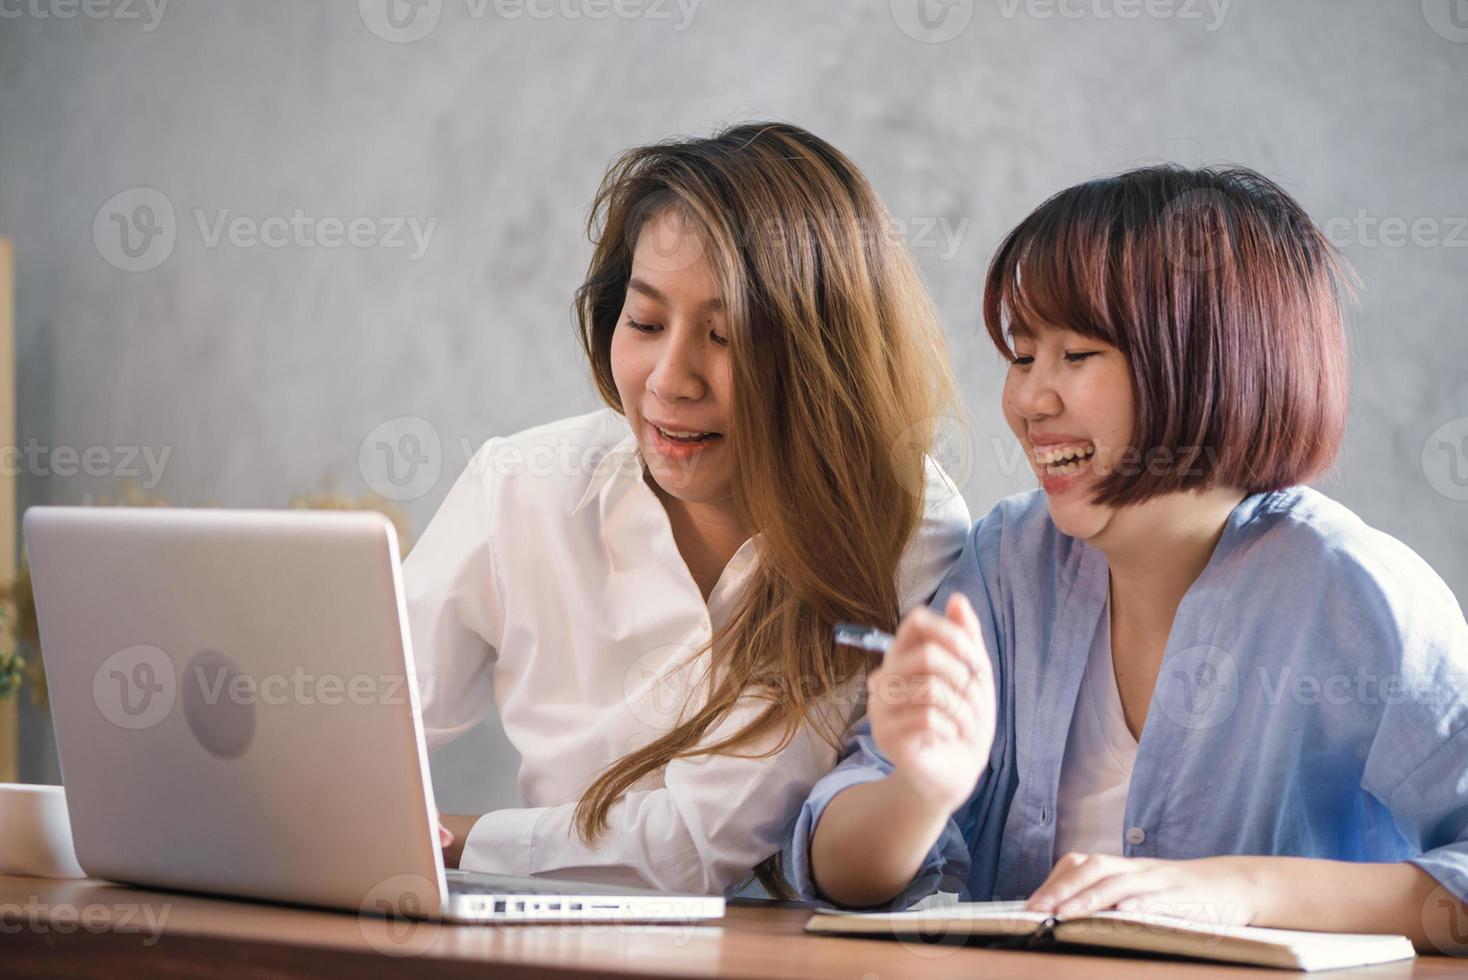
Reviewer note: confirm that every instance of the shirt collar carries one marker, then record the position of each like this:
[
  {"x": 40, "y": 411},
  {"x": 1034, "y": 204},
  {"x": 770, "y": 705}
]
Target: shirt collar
[{"x": 622, "y": 461}]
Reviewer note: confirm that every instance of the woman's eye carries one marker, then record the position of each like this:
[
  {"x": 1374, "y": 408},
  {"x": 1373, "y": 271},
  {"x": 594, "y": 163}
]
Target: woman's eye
[
  {"x": 1077, "y": 356},
  {"x": 641, "y": 327},
  {"x": 1023, "y": 360},
  {"x": 721, "y": 341}
]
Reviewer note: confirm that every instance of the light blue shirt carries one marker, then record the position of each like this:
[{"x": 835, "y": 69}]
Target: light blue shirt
[{"x": 1312, "y": 701}]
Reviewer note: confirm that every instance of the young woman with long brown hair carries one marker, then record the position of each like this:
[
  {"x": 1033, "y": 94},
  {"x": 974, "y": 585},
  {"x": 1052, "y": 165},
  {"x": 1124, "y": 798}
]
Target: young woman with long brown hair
[{"x": 647, "y": 592}]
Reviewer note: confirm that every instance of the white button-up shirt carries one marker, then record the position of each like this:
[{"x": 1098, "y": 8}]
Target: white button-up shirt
[{"x": 549, "y": 582}]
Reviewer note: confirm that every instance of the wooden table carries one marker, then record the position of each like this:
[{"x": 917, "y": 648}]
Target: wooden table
[{"x": 93, "y": 928}]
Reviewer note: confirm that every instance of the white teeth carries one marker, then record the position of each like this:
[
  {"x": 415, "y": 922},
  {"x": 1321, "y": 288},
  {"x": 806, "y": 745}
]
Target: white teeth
[
  {"x": 682, "y": 436},
  {"x": 1060, "y": 455}
]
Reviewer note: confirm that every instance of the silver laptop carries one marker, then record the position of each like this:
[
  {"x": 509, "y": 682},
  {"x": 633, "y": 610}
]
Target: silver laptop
[{"x": 236, "y": 712}]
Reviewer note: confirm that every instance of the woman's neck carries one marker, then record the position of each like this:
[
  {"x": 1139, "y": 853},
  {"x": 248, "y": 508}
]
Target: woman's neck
[
  {"x": 708, "y": 534},
  {"x": 1156, "y": 551}
]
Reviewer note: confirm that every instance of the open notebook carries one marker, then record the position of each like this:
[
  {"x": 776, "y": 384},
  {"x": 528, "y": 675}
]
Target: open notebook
[{"x": 958, "y": 921}]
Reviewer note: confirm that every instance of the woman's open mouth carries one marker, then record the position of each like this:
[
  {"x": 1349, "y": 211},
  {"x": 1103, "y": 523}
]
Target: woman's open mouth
[
  {"x": 670, "y": 441},
  {"x": 1060, "y": 467}
]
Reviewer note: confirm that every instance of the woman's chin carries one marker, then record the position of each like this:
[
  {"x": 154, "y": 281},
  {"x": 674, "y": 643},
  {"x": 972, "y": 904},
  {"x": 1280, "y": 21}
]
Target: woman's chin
[
  {"x": 678, "y": 482},
  {"x": 1074, "y": 515}
]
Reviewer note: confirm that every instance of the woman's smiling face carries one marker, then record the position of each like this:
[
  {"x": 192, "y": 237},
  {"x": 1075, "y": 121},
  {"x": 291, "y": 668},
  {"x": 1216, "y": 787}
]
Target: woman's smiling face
[
  {"x": 671, "y": 363},
  {"x": 1068, "y": 400}
]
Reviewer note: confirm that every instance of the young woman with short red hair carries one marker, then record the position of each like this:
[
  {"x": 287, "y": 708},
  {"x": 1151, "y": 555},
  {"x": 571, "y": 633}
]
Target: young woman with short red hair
[{"x": 1174, "y": 678}]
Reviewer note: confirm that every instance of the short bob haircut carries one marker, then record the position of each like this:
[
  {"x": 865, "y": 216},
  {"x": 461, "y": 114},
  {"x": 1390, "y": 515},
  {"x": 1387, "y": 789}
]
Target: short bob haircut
[{"x": 1226, "y": 301}]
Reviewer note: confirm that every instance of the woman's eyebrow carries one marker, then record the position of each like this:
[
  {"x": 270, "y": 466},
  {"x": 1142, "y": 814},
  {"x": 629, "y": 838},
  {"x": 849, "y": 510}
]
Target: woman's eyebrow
[{"x": 647, "y": 289}]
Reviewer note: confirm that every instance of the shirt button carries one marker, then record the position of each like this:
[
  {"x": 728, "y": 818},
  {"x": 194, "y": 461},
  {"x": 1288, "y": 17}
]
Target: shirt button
[{"x": 1136, "y": 835}]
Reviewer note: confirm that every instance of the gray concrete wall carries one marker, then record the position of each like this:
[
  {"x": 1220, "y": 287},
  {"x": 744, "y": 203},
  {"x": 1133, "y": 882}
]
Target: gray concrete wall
[{"x": 261, "y": 370}]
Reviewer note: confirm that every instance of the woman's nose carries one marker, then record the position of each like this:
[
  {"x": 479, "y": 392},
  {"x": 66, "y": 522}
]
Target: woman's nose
[
  {"x": 678, "y": 374},
  {"x": 1033, "y": 394}
]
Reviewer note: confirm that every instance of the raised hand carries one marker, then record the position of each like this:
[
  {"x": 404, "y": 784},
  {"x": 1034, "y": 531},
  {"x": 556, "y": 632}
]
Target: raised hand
[{"x": 932, "y": 705}]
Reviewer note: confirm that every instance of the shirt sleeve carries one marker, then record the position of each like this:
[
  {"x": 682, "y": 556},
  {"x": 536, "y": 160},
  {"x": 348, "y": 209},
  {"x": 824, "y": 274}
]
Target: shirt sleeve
[
  {"x": 714, "y": 818},
  {"x": 454, "y": 605},
  {"x": 945, "y": 867},
  {"x": 1418, "y": 761},
  {"x": 949, "y": 862}
]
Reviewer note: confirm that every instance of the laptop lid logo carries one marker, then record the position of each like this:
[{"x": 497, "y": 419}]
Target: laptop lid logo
[{"x": 218, "y": 704}]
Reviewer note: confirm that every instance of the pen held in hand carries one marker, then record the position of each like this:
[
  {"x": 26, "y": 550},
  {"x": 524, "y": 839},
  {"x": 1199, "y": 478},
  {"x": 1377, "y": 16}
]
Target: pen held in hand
[
  {"x": 868, "y": 638},
  {"x": 875, "y": 640}
]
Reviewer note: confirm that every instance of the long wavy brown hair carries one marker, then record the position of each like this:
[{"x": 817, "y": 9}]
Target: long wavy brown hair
[{"x": 840, "y": 372}]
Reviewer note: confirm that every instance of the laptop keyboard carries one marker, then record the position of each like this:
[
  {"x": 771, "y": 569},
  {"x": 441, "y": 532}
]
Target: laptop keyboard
[
  {"x": 468, "y": 883},
  {"x": 479, "y": 883},
  {"x": 478, "y": 896}
]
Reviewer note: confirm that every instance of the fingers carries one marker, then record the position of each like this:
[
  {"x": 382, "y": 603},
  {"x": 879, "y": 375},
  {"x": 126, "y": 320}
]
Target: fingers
[
  {"x": 1122, "y": 888},
  {"x": 922, "y": 727},
  {"x": 1072, "y": 875},
  {"x": 445, "y": 836},
  {"x": 932, "y": 664},
  {"x": 925, "y": 626},
  {"x": 924, "y": 673},
  {"x": 958, "y": 635},
  {"x": 960, "y": 611}
]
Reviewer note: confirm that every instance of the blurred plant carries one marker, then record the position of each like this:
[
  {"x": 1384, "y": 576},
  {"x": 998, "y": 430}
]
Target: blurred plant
[
  {"x": 329, "y": 497},
  {"x": 12, "y": 672},
  {"x": 20, "y": 637}
]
